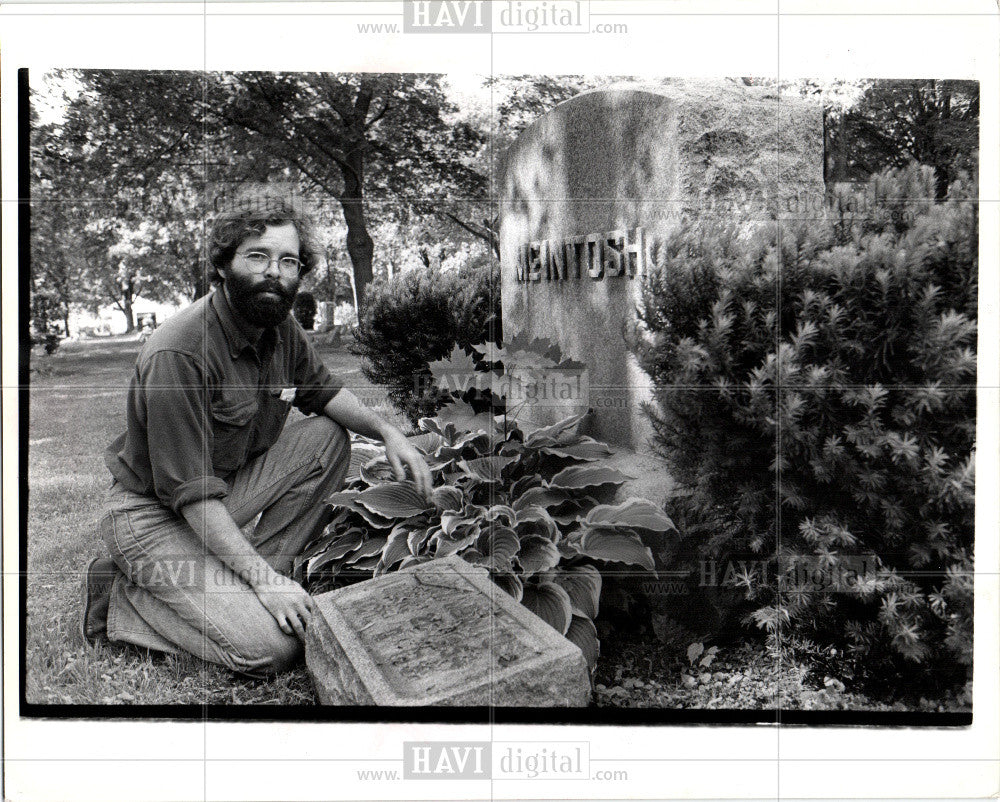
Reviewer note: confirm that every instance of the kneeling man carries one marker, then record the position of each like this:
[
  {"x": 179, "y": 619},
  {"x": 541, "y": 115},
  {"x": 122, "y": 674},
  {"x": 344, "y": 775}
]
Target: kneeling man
[{"x": 206, "y": 450}]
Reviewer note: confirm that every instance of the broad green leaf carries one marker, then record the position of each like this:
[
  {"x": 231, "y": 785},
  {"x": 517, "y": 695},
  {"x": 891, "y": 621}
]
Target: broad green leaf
[
  {"x": 464, "y": 418},
  {"x": 446, "y": 430},
  {"x": 510, "y": 583},
  {"x": 550, "y": 603},
  {"x": 499, "y": 541},
  {"x": 537, "y": 554},
  {"x": 348, "y": 500},
  {"x": 571, "y": 509},
  {"x": 583, "y": 584},
  {"x": 377, "y": 471},
  {"x": 612, "y": 546},
  {"x": 583, "y": 634},
  {"x": 580, "y": 476},
  {"x": 369, "y": 548},
  {"x": 544, "y": 497},
  {"x": 502, "y": 513},
  {"x": 535, "y": 521},
  {"x": 479, "y": 441},
  {"x": 637, "y": 513},
  {"x": 394, "y": 500},
  {"x": 331, "y": 533},
  {"x": 549, "y": 435},
  {"x": 444, "y": 545},
  {"x": 453, "y": 520},
  {"x": 447, "y": 498},
  {"x": 396, "y": 547},
  {"x": 345, "y": 543},
  {"x": 367, "y": 563},
  {"x": 486, "y": 468},
  {"x": 474, "y": 556},
  {"x": 345, "y": 498},
  {"x": 341, "y": 546},
  {"x": 568, "y": 549},
  {"x": 587, "y": 450},
  {"x": 524, "y": 484},
  {"x": 322, "y": 561},
  {"x": 499, "y": 563},
  {"x": 427, "y": 443},
  {"x": 416, "y": 539},
  {"x": 361, "y": 453}
]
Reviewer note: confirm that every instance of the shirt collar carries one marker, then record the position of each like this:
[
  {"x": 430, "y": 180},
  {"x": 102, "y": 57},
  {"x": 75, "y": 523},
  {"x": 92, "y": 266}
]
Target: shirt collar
[{"x": 239, "y": 334}]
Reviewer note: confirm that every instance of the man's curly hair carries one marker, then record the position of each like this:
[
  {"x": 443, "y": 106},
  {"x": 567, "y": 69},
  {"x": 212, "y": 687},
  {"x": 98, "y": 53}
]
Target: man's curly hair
[{"x": 247, "y": 215}]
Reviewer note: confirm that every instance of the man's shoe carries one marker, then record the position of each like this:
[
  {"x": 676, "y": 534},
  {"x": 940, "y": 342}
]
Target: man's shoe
[{"x": 95, "y": 592}]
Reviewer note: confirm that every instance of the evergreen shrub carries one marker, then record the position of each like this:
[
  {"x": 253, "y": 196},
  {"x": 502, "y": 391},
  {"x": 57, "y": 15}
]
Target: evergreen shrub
[
  {"x": 816, "y": 399},
  {"x": 305, "y": 308},
  {"x": 418, "y": 317}
]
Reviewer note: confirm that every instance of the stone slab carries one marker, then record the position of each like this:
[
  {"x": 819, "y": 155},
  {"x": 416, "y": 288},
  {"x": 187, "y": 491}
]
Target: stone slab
[
  {"x": 607, "y": 163},
  {"x": 440, "y": 633}
]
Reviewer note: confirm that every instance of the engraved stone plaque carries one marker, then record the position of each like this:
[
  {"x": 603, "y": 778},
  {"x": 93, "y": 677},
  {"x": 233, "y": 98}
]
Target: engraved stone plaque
[{"x": 440, "y": 633}]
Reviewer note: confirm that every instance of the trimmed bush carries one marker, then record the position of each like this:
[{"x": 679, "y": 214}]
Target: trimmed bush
[
  {"x": 418, "y": 317},
  {"x": 816, "y": 399},
  {"x": 305, "y": 308}
]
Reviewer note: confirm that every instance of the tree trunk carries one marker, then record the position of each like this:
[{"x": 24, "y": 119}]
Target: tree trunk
[
  {"x": 127, "y": 309},
  {"x": 127, "y": 292},
  {"x": 360, "y": 246}
]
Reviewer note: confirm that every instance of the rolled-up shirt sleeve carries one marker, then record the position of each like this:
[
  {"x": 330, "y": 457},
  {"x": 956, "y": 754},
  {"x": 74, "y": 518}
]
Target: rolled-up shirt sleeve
[
  {"x": 315, "y": 385},
  {"x": 178, "y": 429}
]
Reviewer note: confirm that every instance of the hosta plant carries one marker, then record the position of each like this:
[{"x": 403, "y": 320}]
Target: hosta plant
[{"x": 535, "y": 509}]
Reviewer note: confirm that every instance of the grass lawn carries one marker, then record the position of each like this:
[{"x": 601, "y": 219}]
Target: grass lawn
[{"x": 77, "y": 407}]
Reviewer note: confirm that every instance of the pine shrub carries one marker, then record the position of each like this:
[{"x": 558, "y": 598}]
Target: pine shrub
[
  {"x": 418, "y": 317},
  {"x": 305, "y": 308},
  {"x": 816, "y": 398}
]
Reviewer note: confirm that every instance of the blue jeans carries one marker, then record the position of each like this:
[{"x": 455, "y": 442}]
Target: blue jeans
[{"x": 172, "y": 595}]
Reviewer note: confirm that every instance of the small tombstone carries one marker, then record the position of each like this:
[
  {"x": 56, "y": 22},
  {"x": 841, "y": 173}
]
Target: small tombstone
[
  {"x": 590, "y": 190},
  {"x": 439, "y": 633},
  {"x": 324, "y": 317}
]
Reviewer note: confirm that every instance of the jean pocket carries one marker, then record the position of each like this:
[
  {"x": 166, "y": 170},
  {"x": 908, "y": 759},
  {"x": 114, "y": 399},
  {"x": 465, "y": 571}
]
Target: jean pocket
[{"x": 139, "y": 533}]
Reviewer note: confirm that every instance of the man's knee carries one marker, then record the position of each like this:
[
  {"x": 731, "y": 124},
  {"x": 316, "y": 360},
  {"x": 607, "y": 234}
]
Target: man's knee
[
  {"x": 272, "y": 652},
  {"x": 334, "y": 445}
]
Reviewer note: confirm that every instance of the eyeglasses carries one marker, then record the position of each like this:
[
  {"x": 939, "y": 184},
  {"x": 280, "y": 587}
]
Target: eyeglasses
[{"x": 259, "y": 261}]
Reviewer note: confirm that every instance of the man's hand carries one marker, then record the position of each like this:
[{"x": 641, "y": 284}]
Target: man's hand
[
  {"x": 399, "y": 451},
  {"x": 287, "y": 601},
  {"x": 345, "y": 409},
  {"x": 282, "y": 597}
]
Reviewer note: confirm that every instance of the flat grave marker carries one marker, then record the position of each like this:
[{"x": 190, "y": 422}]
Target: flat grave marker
[{"x": 440, "y": 633}]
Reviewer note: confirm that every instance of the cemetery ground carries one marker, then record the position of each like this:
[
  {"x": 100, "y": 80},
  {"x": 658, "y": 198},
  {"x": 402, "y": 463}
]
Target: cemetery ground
[{"x": 76, "y": 408}]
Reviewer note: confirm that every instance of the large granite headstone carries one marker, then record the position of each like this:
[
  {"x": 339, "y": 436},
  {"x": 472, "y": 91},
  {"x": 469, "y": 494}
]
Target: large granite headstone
[
  {"x": 589, "y": 189},
  {"x": 440, "y": 633}
]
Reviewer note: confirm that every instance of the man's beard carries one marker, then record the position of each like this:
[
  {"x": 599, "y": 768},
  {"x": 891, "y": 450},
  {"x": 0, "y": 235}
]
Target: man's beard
[{"x": 249, "y": 299}]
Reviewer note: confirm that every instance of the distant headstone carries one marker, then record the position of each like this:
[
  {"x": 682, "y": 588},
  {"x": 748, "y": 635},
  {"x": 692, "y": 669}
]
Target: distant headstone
[
  {"x": 589, "y": 191},
  {"x": 440, "y": 633},
  {"x": 324, "y": 317}
]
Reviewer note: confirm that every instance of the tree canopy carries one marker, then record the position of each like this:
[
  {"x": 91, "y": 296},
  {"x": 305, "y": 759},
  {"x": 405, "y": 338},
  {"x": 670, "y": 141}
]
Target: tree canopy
[{"x": 125, "y": 179}]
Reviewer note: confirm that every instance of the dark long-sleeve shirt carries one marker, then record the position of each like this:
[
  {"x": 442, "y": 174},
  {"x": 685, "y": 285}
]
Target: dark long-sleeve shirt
[{"x": 204, "y": 400}]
